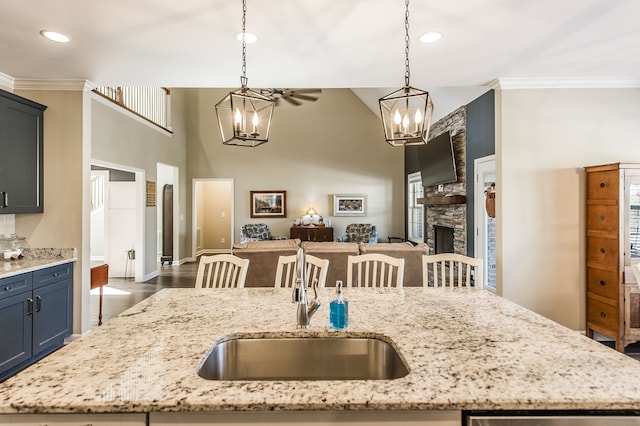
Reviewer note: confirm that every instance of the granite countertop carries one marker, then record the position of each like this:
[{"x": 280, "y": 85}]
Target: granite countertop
[
  {"x": 466, "y": 349},
  {"x": 35, "y": 259}
]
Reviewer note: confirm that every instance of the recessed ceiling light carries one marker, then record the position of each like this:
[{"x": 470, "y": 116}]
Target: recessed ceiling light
[
  {"x": 55, "y": 36},
  {"x": 430, "y": 37},
  {"x": 249, "y": 37}
]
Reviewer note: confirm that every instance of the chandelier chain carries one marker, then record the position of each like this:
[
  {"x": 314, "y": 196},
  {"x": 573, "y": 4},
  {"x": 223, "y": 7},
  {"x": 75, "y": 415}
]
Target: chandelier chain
[
  {"x": 243, "y": 79},
  {"x": 406, "y": 40}
]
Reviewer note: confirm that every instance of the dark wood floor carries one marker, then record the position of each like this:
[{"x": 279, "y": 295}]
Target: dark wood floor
[
  {"x": 129, "y": 292},
  {"x": 181, "y": 276}
]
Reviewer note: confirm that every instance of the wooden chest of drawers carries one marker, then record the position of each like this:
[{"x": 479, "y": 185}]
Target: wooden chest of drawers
[
  {"x": 312, "y": 233},
  {"x": 608, "y": 311}
]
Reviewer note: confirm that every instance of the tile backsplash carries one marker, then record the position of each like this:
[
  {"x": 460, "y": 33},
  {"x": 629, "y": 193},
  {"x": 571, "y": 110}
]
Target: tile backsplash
[{"x": 7, "y": 224}]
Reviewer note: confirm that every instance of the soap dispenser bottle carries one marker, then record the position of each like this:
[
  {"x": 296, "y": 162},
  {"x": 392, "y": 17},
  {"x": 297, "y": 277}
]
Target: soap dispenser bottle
[{"x": 339, "y": 310}]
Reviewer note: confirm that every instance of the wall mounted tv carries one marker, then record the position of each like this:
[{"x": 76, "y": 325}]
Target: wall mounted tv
[{"x": 437, "y": 161}]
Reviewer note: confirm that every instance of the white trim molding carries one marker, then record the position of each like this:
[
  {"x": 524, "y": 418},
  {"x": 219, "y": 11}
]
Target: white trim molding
[
  {"x": 59, "y": 85},
  {"x": 564, "y": 83},
  {"x": 6, "y": 82}
]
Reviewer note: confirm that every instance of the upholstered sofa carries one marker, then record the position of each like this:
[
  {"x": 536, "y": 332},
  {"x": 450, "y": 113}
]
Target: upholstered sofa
[
  {"x": 263, "y": 258},
  {"x": 338, "y": 255},
  {"x": 412, "y": 258}
]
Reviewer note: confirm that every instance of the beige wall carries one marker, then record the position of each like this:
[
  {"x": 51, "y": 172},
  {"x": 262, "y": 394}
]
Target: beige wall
[
  {"x": 333, "y": 145},
  {"x": 214, "y": 215},
  {"x": 544, "y": 139},
  {"x": 62, "y": 224},
  {"x": 118, "y": 139}
]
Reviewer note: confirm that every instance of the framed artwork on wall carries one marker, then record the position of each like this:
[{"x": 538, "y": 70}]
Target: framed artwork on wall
[
  {"x": 268, "y": 204},
  {"x": 349, "y": 205}
]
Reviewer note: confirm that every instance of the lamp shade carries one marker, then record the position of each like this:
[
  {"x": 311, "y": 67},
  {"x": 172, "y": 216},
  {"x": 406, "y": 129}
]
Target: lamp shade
[
  {"x": 406, "y": 116},
  {"x": 244, "y": 117}
]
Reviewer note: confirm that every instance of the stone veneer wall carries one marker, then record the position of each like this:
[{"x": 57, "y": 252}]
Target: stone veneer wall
[{"x": 451, "y": 215}]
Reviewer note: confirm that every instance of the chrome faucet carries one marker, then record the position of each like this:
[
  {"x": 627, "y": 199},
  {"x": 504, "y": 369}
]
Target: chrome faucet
[{"x": 306, "y": 309}]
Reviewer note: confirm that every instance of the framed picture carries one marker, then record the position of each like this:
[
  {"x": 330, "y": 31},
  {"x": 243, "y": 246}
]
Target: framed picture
[
  {"x": 268, "y": 204},
  {"x": 349, "y": 205}
]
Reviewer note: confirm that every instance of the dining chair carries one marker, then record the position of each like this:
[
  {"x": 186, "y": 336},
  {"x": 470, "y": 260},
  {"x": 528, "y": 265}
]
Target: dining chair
[
  {"x": 286, "y": 270},
  {"x": 221, "y": 271},
  {"x": 451, "y": 270},
  {"x": 375, "y": 270}
]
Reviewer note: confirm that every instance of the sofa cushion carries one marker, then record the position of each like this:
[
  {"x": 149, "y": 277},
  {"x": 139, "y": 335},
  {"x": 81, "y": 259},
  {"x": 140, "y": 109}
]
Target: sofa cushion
[
  {"x": 327, "y": 246},
  {"x": 336, "y": 253},
  {"x": 412, "y": 258},
  {"x": 268, "y": 244},
  {"x": 263, "y": 259}
]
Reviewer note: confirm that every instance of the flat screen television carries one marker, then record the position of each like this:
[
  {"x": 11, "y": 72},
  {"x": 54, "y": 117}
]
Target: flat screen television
[{"x": 437, "y": 161}]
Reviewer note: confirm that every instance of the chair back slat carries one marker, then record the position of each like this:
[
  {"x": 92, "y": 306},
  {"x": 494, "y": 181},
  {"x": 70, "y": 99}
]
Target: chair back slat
[
  {"x": 221, "y": 271},
  {"x": 316, "y": 269},
  {"x": 451, "y": 270},
  {"x": 375, "y": 270}
]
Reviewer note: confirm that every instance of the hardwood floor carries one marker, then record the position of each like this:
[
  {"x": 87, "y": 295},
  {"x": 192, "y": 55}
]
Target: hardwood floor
[{"x": 121, "y": 294}]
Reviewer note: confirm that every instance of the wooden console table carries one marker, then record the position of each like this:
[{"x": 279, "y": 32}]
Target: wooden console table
[
  {"x": 312, "y": 233},
  {"x": 99, "y": 278}
]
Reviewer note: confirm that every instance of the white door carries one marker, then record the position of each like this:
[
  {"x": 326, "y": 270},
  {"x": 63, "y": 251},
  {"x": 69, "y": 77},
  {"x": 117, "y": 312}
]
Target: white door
[{"x": 485, "y": 226}]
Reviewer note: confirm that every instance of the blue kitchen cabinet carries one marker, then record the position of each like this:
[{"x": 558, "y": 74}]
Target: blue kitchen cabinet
[
  {"x": 36, "y": 315},
  {"x": 21, "y": 154}
]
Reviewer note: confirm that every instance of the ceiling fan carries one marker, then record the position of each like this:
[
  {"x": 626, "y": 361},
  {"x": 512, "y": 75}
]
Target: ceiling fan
[{"x": 293, "y": 96}]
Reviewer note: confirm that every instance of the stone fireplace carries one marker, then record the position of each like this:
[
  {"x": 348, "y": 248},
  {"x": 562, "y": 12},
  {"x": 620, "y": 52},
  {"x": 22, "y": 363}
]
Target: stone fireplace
[{"x": 445, "y": 205}]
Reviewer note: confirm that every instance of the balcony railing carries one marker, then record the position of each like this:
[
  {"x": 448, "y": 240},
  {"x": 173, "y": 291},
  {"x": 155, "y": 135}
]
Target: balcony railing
[{"x": 151, "y": 103}]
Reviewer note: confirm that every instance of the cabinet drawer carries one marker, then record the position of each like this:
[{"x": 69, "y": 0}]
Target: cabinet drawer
[
  {"x": 14, "y": 285},
  {"x": 74, "y": 419},
  {"x": 603, "y": 283},
  {"x": 603, "y": 218},
  {"x": 603, "y": 251},
  {"x": 602, "y": 314},
  {"x": 603, "y": 185},
  {"x": 52, "y": 274}
]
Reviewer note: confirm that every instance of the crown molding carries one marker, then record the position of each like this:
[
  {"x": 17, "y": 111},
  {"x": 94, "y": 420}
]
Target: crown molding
[
  {"x": 564, "y": 83},
  {"x": 58, "y": 85},
  {"x": 6, "y": 82}
]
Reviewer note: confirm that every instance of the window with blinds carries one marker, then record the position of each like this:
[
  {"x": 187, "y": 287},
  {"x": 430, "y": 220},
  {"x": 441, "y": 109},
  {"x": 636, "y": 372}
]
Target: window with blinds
[{"x": 415, "y": 211}]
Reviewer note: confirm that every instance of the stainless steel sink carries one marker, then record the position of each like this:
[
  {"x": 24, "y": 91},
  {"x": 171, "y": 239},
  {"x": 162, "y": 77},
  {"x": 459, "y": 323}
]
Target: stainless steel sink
[{"x": 300, "y": 358}]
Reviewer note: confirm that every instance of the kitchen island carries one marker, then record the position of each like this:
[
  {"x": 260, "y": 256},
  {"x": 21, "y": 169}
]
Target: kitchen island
[{"x": 466, "y": 349}]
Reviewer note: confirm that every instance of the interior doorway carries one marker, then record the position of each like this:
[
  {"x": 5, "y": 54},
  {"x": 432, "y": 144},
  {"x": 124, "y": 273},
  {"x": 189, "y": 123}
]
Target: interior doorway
[
  {"x": 167, "y": 220},
  {"x": 117, "y": 219},
  {"x": 484, "y": 215},
  {"x": 213, "y": 214}
]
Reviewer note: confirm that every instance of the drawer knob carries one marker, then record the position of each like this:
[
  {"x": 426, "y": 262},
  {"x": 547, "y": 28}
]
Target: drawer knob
[
  {"x": 602, "y": 250},
  {"x": 601, "y": 217},
  {"x": 55, "y": 274},
  {"x": 602, "y": 184},
  {"x": 7, "y": 288},
  {"x": 603, "y": 315},
  {"x": 602, "y": 283}
]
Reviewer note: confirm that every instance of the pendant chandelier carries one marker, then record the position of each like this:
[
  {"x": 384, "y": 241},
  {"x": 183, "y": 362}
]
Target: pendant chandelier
[
  {"x": 244, "y": 115},
  {"x": 406, "y": 113}
]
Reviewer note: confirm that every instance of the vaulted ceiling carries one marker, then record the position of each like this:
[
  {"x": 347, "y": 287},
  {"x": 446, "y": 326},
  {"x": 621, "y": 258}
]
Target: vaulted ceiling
[{"x": 322, "y": 43}]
